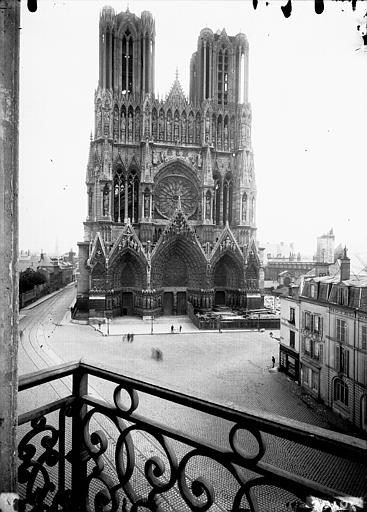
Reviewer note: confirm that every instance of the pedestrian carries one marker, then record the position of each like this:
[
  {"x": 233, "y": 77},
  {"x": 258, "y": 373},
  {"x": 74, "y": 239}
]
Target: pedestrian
[
  {"x": 128, "y": 337},
  {"x": 21, "y": 334},
  {"x": 172, "y": 329},
  {"x": 99, "y": 324},
  {"x": 132, "y": 337},
  {"x": 180, "y": 328},
  {"x": 271, "y": 334},
  {"x": 273, "y": 360}
]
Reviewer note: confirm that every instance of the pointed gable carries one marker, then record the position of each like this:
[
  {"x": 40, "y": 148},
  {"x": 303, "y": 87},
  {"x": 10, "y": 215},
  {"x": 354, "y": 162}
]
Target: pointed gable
[
  {"x": 226, "y": 242},
  {"x": 128, "y": 239},
  {"x": 179, "y": 225},
  {"x": 98, "y": 251},
  {"x": 176, "y": 94}
]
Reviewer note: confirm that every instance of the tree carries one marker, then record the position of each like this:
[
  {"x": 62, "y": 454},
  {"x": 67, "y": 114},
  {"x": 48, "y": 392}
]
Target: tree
[{"x": 29, "y": 279}]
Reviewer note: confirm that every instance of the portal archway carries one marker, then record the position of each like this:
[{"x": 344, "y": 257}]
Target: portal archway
[{"x": 228, "y": 273}]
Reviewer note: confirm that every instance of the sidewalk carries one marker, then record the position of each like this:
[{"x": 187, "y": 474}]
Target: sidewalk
[
  {"x": 44, "y": 298},
  {"x": 161, "y": 325}
]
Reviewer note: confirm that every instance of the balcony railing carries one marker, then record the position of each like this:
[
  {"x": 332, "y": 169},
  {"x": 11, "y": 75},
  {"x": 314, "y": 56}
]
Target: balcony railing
[{"x": 149, "y": 448}]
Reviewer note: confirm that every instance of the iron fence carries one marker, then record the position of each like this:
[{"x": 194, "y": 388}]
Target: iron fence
[{"x": 150, "y": 448}]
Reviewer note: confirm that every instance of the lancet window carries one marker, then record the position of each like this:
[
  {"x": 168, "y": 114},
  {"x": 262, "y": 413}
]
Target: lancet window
[
  {"x": 126, "y": 195},
  {"x": 222, "y": 76},
  {"x": 225, "y": 133},
  {"x": 127, "y": 62},
  {"x": 244, "y": 208}
]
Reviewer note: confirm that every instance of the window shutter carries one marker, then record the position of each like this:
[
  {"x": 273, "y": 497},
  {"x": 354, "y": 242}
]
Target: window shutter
[
  {"x": 303, "y": 320},
  {"x": 312, "y": 322},
  {"x": 321, "y": 349},
  {"x": 321, "y": 325},
  {"x": 337, "y": 358}
]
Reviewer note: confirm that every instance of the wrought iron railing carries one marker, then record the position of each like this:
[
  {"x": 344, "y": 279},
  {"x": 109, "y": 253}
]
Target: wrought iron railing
[{"x": 149, "y": 448}]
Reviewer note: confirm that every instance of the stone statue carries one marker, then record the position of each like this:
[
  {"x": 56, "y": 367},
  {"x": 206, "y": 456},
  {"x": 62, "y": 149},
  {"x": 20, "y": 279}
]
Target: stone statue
[
  {"x": 106, "y": 201},
  {"x": 123, "y": 126},
  {"x": 199, "y": 161},
  {"x": 130, "y": 126},
  {"x": 106, "y": 123}
]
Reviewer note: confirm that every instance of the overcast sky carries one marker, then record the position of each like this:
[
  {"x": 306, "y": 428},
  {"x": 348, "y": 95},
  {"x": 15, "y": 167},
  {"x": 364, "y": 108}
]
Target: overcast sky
[{"x": 307, "y": 87}]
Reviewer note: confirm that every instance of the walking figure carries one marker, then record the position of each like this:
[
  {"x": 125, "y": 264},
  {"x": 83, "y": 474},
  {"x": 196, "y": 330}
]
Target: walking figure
[
  {"x": 128, "y": 337},
  {"x": 131, "y": 337},
  {"x": 172, "y": 329},
  {"x": 99, "y": 324},
  {"x": 273, "y": 360},
  {"x": 180, "y": 328}
]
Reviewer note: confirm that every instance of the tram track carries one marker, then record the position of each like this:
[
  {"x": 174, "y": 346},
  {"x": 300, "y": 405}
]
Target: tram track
[{"x": 35, "y": 346}]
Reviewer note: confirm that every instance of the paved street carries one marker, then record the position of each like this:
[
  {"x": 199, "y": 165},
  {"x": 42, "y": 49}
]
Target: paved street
[{"x": 230, "y": 368}]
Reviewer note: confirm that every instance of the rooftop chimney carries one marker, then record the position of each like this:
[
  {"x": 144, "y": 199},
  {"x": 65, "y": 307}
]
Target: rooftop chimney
[{"x": 344, "y": 266}]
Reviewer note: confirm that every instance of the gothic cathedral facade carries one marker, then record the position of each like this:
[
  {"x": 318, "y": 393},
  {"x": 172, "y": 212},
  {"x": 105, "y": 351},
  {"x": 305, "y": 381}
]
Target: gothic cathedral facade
[{"x": 170, "y": 182}]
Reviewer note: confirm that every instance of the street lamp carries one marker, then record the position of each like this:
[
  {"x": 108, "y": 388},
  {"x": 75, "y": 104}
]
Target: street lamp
[{"x": 151, "y": 324}]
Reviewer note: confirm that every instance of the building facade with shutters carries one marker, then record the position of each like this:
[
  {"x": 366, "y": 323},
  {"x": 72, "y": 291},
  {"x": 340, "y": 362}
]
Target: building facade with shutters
[
  {"x": 171, "y": 188},
  {"x": 333, "y": 350},
  {"x": 289, "y": 346}
]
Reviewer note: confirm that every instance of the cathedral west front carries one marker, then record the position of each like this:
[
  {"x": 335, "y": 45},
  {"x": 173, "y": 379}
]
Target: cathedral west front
[{"x": 171, "y": 188}]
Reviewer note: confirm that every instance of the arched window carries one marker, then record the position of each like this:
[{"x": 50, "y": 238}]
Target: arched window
[
  {"x": 222, "y": 76},
  {"x": 116, "y": 123},
  {"x": 106, "y": 200},
  {"x": 127, "y": 63},
  {"x": 119, "y": 195},
  {"x": 154, "y": 124},
  {"x": 208, "y": 205},
  {"x": 242, "y": 79},
  {"x": 340, "y": 391},
  {"x": 244, "y": 208}
]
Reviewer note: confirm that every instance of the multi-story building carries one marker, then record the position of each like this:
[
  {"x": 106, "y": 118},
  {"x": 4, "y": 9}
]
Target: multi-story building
[
  {"x": 333, "y": 351},
  {"x": 170, "y": 183},
  {"x": 289, "y": 347}
]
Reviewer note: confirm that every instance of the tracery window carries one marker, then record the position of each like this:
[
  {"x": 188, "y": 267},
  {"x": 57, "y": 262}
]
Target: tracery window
[
  {"x": 127, "y": 62},
  {"x": 222, "y": 76},
  {"x": 126, "y": 196}
]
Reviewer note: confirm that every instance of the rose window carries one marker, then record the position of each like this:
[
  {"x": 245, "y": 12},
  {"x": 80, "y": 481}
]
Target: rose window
[{"x": 172, "y": 188}]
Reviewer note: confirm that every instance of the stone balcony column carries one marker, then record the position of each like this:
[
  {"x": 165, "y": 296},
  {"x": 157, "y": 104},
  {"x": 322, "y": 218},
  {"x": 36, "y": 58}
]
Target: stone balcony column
[{"x": 9, "y": 318}]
